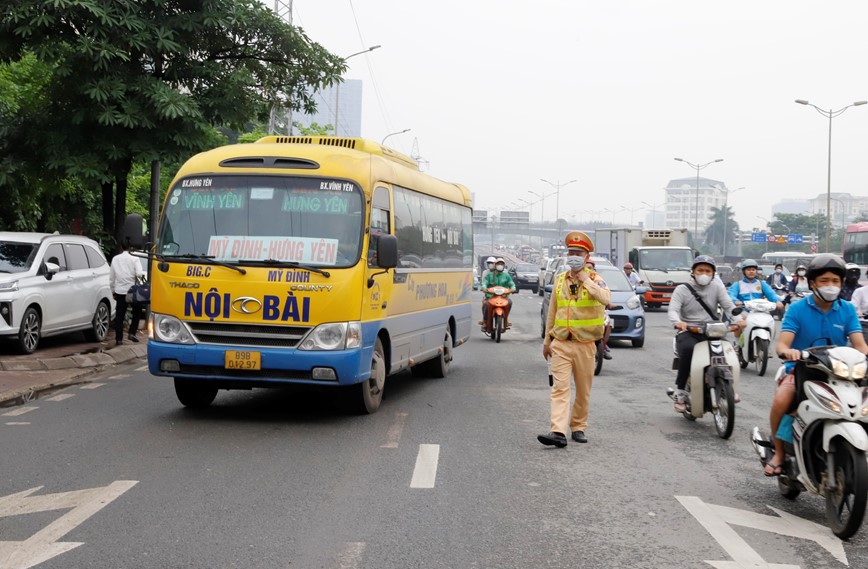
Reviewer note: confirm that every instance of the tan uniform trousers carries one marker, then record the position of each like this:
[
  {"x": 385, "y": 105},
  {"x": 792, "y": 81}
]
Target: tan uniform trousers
[{"x": 576, "y": 359}]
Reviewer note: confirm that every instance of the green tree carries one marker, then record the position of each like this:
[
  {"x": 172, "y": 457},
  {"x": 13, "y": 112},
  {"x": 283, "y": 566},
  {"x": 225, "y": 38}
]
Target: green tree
[
  {"x": 315, "y": 129},
  {"x": 127, "y": 81},
  {"x": 723, "y": 228}
]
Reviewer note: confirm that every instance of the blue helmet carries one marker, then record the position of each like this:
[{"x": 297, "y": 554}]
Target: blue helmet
[
  {"x": 749, "y": 264},
  {"x": 704, "y": 260}
]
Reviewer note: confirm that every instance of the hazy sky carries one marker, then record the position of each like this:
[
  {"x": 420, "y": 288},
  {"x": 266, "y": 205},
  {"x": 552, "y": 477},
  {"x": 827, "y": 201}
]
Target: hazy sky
[{"x": 501, "y": 94}]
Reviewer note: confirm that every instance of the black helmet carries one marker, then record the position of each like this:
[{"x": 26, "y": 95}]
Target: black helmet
[
  {"x": 853, "y": 271},
  {"x": 704, "y": 260},
  {"x": 748, "y": 263},
  {"x": 826, "y": 262}
]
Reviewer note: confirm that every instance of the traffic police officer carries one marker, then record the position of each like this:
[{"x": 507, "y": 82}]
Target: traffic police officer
[{"x": 575, "y": 320}]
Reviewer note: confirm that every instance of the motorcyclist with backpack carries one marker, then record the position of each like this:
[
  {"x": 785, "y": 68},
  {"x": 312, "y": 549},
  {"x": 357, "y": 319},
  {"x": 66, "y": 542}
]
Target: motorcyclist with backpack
[{"x": 685, "y": 310}]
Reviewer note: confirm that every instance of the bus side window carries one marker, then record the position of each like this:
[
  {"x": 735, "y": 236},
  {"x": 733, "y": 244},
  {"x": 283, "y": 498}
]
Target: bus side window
[{"x": 380, "y": 209}]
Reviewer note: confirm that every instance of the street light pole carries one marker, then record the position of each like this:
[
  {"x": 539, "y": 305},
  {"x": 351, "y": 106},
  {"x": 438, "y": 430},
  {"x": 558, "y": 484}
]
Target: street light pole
[
  {"x": 696, "y": 212},
  {"x": 654, "y": 212},
  {"x": 542, "y": 198},
  {"x": 338, "y": 84},
  {"x": 830, "y": 114},
  {"x": 558, "y": 187},
  {"x": 726, "y": 216}
]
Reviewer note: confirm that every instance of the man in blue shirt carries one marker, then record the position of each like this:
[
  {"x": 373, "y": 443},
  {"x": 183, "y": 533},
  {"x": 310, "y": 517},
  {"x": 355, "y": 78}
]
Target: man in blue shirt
[
  {"x": 750, "y": 288},
  {"x": 817, "y": 320}
]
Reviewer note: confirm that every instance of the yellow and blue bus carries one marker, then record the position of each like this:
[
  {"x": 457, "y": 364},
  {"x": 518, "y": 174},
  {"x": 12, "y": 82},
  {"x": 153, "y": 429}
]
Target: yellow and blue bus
[{"x": 307, "y": 260}]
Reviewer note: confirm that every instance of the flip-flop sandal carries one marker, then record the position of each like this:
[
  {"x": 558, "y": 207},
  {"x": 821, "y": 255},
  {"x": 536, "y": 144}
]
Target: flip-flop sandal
[{"x": 777, "y": 470}]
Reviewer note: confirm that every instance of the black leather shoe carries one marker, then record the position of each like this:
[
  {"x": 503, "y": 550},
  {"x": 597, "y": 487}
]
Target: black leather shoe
[
  {"x": 132, "y": 338},
  {"x": 119, "y": 342},
  {"x": 553, "y": 439},
  {"x": 579, "y": 437}
]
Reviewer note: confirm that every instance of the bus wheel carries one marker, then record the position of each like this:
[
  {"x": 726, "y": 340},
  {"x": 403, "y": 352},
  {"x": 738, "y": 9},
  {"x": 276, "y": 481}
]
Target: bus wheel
[
  {"x": 372, "y": 388},
  {"x": 439, "y": 366},
  {"x": 194, "y": 394}
]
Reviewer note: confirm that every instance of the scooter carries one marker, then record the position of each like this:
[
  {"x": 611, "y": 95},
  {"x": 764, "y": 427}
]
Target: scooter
[
  {"x": 714, "y": 374},
  {"x": 782, "y": 293},
  {"x": 498, "y": 307},
  {"x": 827, "y": 453},
  {"x": 758, "y": 333}
]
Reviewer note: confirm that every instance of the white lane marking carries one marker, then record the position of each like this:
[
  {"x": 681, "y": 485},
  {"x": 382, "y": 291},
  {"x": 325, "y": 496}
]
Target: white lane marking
[
  {"x": 143, "y": 368},
  {"x": 61, "y": 397},
  {"x": 91, "y": 385},
  {"x": 393, "y": 437},
  {"x": 717, "y": 519},
  {"x": 17, "y": 423},
  {"x": 119, "y": 376},
  {"x": 425, "y": 472},
  {"x": 351, "y": 555},
  {"x": 43, "y": 545},
  {"x": 20, "y": 411}
]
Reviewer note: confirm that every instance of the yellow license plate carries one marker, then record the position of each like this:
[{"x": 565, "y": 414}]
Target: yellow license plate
[{"x": 237, "y": 359}]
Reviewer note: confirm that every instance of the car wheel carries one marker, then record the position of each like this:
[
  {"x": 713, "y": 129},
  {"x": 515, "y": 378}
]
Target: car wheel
[
  {"x": 100, "y": 323},
  {"x": 30, "y": 331},
  {"x": 638, "y": 342}
]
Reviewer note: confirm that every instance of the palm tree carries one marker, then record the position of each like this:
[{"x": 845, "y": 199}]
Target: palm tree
[{"x": 723, "y": 227}]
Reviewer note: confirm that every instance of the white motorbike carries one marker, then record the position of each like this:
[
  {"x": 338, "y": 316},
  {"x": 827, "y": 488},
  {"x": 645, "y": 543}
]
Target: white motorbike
[
  {"x": 713, "y": 380},
  {"x": 827, "y": 455},
  {"x": 758, "y": 334}
]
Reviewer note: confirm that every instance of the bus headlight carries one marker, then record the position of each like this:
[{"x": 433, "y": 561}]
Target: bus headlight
[
  {"x": 334, "y": 336},
  {"x": 170, "y": 329}
]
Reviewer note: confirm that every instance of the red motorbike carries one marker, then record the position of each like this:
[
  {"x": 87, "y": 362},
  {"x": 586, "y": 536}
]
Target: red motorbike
[{"x": 498, "y": 309}]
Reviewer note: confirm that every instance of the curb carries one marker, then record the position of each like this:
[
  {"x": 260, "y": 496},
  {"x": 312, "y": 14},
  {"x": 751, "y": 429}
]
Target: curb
[{"x": 80, "y": 366}]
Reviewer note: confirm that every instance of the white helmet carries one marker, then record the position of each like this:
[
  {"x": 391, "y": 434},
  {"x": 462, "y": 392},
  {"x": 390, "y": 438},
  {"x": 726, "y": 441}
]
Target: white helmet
[{"x": 490, "y": 260}]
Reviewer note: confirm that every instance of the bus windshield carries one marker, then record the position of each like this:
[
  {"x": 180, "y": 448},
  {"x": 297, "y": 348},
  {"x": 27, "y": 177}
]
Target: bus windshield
[
  {"x": 665, "y": 259},
  {"x": 273, "y": 219}
]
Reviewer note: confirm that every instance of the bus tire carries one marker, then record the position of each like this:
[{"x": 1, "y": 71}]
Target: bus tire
[
  {"x": 439, "y": 366},
  {"x": 194, "y": 394},
  {"x": 368, "y": 394}
]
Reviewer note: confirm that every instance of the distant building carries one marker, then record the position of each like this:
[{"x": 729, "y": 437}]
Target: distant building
[
  {"x": 347, "y": 98},
  {"x": 793, "y": 206},
  {"x": 681, "y": 202},
  {"x": 843, "y": 209}
]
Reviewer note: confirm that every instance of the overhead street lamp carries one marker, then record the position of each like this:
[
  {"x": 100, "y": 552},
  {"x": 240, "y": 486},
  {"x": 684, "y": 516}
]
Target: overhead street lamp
[
  {"x": 654, "y": 211},
  {"x": 696, "y": 212},
  {"x": 631, "y": 210},
  {"x": 338, "y": 84},
  {"x": 726, "y": 212},
  {"x": 830, "y": 114},
  {"x": 393, "y": 134},
  {"x": 542, "y": 197},
  {"x": 558, "y": 187}
]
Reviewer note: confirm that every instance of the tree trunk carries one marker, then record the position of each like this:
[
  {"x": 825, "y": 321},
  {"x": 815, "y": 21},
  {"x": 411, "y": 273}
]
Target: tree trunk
[
  {"x": 120, "y": 210},
  {"x": 108, "y": 208}
]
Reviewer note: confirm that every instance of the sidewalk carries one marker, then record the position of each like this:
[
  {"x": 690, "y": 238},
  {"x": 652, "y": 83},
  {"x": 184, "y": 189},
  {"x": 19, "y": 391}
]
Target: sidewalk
[{"x": 60, "y": 361}]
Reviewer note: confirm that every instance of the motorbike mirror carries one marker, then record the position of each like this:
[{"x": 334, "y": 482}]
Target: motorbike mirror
[{"x": 737, "y": 310}]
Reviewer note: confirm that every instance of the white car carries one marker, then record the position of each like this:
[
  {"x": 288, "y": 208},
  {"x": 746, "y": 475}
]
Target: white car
[{"x": 52, "y": 284}]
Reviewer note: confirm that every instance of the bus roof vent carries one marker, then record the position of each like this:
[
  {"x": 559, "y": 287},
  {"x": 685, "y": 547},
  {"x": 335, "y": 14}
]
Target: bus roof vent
[
  {"x": 269, "y": 162},
  {"x": 342, "y": 142},
  {"x": 287, "y": 139}
]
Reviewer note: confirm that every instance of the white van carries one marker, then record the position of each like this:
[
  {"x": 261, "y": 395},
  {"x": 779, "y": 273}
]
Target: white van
[{"x": 51, "y": 284}]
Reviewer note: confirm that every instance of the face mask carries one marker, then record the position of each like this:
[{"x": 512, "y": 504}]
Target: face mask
[
  {"x": 575, "y": 263},
  {"x": 500, "y": 268},
  {"x": 828, "y": 293},
  {"x": 702, "y": 280},
  {"x": 490, "y": 266},
  {"x": 800, "y": 273},
  {"x": 777, "y": 271}
]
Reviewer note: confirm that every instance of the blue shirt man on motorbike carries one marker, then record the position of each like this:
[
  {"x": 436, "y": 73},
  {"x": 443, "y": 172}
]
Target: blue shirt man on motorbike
[
  {"x": 818, "y": 319},
  {"x": 750, "y": 287}
]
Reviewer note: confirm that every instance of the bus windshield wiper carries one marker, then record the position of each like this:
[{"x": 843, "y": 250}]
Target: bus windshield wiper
[
  {"x": 293, "y": 264},
  {"x": 205, "y": 260}
]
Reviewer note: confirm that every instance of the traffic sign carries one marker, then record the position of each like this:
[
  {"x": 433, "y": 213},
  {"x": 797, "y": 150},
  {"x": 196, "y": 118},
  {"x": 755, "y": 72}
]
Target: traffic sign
[{"x": 814, "y": 248}]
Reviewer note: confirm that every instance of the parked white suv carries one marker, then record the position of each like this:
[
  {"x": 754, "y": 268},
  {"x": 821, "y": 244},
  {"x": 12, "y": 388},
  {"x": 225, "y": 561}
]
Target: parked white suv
[{"x": 51, "y": 284}]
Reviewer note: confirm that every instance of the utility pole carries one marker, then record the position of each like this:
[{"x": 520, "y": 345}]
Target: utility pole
[{"x": 283, "y": 9}]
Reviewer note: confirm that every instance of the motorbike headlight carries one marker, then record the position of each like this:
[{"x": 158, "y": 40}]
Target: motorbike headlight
[
  {"x": 169, "y": 329},
  {"x": 334, "y": 336},
  {"x": 716, "y": 330},
  {"x": 840, "y": 368},
  {"x": 633, "y": 303},
  {"x": 858, "y": 370}
]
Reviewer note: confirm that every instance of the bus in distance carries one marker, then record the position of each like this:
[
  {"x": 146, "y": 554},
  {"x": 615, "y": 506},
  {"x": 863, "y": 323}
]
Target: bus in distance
[{"x": 307, "y": 260}]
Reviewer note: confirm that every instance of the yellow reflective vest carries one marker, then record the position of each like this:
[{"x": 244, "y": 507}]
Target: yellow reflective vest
[{"x": 581, "y": 317}]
